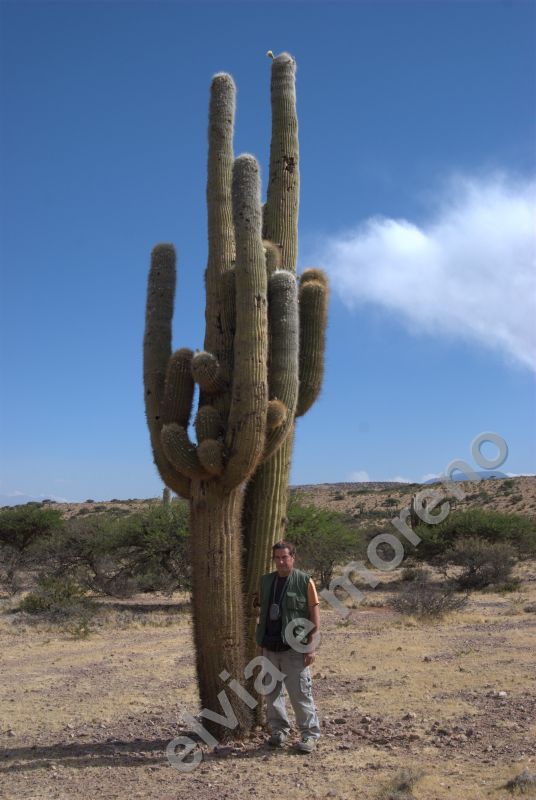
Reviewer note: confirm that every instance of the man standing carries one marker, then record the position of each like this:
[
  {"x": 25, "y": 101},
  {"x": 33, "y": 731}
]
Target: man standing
[{"x": 289, "y": 622}]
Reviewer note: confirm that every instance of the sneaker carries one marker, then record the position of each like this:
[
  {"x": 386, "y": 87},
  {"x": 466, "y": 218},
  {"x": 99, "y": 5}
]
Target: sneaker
[
  {"x": 277, "y": 739},
  {"x": 306, "y": 744}
]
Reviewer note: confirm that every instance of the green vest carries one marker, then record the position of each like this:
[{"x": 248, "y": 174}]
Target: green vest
[{"x": 294, "y": 606}]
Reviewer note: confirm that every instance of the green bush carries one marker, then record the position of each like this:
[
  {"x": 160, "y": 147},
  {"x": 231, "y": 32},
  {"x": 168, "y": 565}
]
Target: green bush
[
  {"x": 142, "y": 552},
  {"x": 23, "y": 530},
  {"x": 492, "y": 526},
  {"x": 484, "y": 563},
  {"x": 58, "y": 597},
  {"x": 323, "y": 540}
]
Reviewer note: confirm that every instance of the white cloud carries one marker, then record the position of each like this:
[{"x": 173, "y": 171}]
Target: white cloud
[
  {"x": 359, "y": 476},
  {"x": 469, "y": 272},
  {"x": 430, "y": 476},
  {"x": 520, "y": 474},
  {"x": 398, "y": 479}
]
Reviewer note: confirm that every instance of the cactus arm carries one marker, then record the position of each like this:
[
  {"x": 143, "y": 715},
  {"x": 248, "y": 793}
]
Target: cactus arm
[
  {"x": 249, "y": 397},
  {"x": 206, "y": 371},
  {"x": 208, "y": 424},
  {"x": 219, "y": 312},
  {"x": 313, "y": 300},
  {"x": 210, "y": 455},
  {"x": 178, "y": 389},
  {"x": 273, "y": 257},
  {"x": 283, "y": 325},
  {"x": 181, "y": 452},
  {"x": 156, "y": 354},
  {"x": 282, "y": 204},
  {"x": 157, "y": 338}
]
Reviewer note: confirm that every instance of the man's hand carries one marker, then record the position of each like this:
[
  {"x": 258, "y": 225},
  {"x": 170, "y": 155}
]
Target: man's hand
[{"x": 308, "y": 658}]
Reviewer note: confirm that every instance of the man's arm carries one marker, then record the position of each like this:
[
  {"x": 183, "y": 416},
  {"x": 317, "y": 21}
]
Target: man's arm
[{"x": 314, "y": 617}]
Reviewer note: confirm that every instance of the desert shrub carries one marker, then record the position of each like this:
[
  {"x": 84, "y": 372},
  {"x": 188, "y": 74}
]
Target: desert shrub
[
  {"x": 390, "y": 502},
  {"x": 323, "y": 540},
  {"x": 22, "y": 530},
  {"x": 483, "y": 563},
  {"x": 142, "y": 552},
  {"x": 411, "y": 573},
  {"x": 492, "y": 526},
  {"x": 402, "y": 785},
  {"x": 524, "y": 783},
  {"x": 507, "y": 486},
  {"x": 424, "y": 599},
  {"x": 58, "y": 598},
  {"x": 510, "y": 585}
]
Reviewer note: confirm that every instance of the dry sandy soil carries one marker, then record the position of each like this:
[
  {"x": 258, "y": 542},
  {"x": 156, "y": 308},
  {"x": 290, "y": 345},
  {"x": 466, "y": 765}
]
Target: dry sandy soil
[{"x": 91, "y": 717}]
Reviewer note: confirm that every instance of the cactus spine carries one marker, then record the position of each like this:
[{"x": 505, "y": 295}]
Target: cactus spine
[{"x": 248, "y": 377}]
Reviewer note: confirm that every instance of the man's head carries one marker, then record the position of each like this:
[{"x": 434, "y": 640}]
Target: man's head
[{"x": 284, "y": 554}]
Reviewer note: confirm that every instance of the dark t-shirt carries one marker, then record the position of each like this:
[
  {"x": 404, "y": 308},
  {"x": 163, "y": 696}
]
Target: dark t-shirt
[{"x": 272, "y": 635}]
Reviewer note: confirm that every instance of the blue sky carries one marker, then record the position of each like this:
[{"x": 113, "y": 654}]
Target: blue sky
[{"x": 417, "y": 131}]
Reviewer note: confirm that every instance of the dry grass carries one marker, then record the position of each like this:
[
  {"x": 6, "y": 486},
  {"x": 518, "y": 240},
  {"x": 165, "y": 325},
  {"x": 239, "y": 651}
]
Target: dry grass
[{"x": 90, "y": 717}]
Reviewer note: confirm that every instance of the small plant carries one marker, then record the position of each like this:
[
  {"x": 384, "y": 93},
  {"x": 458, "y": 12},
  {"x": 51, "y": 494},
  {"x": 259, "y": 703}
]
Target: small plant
[
  {"x": 390, "y": 502},
  {"x": 402, "y": 785},
  {"x": 58, "y": 597},
  {"x": 81, "y": 629},
  {"x": 413, "y": 574},
  {"x": 524, "y": 783},
  {"x": 426, "y": 600},
  {"x": 483, "y": 563},
  {"x": 511, "y": 585}
]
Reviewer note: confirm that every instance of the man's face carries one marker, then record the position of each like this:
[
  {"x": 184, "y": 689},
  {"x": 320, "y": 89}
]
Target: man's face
[{"x": 284, "y": 562}]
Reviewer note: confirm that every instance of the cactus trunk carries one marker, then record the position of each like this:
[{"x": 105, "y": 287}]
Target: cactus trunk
[{"x": 219, "y": 633}]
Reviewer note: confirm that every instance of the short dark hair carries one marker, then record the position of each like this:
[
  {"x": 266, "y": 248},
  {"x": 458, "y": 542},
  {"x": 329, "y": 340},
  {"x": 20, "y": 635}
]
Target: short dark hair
[{"x": 281, "y": 546}]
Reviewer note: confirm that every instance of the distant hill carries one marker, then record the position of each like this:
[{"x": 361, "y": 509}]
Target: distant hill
[
  {"x": 484, "y": 475},
  {"x": 367, "y": 504},
  {"x": 378, "y": 502}
]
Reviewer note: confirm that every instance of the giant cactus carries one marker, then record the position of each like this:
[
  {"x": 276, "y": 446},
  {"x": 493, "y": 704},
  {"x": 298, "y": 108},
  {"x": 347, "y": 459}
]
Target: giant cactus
[
  {"x": 261, "y": 366},
  {"x": 267, "y": 493}
]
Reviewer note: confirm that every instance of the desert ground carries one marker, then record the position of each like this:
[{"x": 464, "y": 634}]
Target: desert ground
[
  {"x": 455, "y": 700},
  {"x": 450, "y": 702}
]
